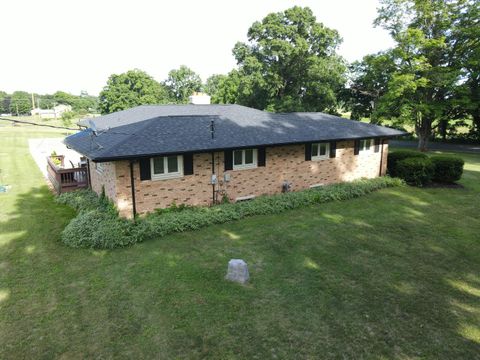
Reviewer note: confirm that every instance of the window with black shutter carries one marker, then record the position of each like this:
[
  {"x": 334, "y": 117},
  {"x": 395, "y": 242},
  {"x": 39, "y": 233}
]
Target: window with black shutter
[
  {"x": 228, "y": 159},
  {"x": 356, "y": 147},
  {"x": 188, "y": 164},
  {"x": 333, "y": 149},
  {"x": 261, "y": 156},
  {"x": 308, "y": 151},
  {"x": 145, "y": 172}
]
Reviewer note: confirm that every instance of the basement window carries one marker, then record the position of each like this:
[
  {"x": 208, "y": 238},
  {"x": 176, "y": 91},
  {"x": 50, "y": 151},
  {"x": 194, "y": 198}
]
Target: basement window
[
  {"x": 320, "y": 151},
  {"x": 166, "y": 167},
  {"x": 244, "y": 159}
]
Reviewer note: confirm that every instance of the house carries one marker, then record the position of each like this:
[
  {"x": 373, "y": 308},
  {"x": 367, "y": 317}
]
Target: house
[
  {"x": 151, "y": 156},
  {"x": 53, "y": 113}
]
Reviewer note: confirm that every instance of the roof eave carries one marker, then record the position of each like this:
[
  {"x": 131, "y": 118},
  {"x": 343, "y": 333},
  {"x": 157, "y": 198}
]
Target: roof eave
[{"x": 199, "y": 151}]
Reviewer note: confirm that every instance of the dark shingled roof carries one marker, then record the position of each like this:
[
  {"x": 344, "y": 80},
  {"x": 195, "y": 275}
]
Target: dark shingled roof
[{"x": 173, "y": 129}]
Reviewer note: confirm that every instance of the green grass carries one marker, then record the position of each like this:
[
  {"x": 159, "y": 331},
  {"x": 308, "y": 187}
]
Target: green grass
[{"x": 391, "y": 275}]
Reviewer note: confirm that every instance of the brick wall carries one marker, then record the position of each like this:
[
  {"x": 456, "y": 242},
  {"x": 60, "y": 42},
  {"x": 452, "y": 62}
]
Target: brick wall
[
  {"x": 283, "y": 163},
  {"x": 106, "y": 179}
]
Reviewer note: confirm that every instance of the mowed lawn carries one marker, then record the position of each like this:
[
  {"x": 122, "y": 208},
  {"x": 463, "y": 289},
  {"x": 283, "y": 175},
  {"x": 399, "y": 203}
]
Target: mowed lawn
[{"x": 395, "y": 274}]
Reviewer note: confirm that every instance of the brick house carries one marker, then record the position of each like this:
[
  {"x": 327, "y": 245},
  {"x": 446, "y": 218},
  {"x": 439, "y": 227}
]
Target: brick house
[{"x": 149, "y": 157}]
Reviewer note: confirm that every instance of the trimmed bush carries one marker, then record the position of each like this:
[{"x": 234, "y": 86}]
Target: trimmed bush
[
  {"x": 448, "y": 169},
  {"x": 84, "y": 200},
  {"x": 415, "y": 171},
  {"x": 100, "y": 230},
  {"x": 395, "y": 156}
]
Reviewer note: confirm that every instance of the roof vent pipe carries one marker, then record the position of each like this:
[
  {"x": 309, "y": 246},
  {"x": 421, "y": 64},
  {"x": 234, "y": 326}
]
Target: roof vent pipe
[{"x": 198, "y": 98}]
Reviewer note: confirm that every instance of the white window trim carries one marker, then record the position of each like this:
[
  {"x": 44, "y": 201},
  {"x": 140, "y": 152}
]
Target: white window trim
[
  {"x": 245, "y": 166},
  {"x": 173, "y": 175},
  {"x": 327, "y": 151},
  {"x": 362, "y": 148}
]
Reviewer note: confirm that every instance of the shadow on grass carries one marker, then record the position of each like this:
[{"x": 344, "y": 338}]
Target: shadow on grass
[{"x": 391, "y": 275}]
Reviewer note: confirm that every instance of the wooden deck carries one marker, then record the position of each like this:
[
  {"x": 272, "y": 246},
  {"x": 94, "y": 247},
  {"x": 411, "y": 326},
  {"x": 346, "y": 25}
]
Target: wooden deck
[{"x": 64, "y": 180}]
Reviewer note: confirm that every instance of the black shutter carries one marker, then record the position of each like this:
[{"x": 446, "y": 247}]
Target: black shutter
[
  {"x": 356, "y": 147},
  {"x": 261, "y": 156},
  {"x": 145, "y": 172},
  {"x": 308, "y": 151},
  {"x": 228, "y": 159},
  {"x": 188, "y": 164},
  {"x": 377, "y": 145},
  {"x": 333, "y": 149}
]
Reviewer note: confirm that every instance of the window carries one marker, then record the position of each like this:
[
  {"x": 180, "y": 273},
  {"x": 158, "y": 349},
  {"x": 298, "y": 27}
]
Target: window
[
  {"x": 365, "y": 145},
  {"x": 320, "y": 151},
  {"x": 244, "y": 159},
  {"x": 166, "y": 167},
  {"x": 99, "y": 167}
]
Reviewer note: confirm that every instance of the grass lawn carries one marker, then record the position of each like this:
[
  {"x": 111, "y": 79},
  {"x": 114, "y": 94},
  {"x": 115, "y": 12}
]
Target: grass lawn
[{"x": 395, "y": 274}]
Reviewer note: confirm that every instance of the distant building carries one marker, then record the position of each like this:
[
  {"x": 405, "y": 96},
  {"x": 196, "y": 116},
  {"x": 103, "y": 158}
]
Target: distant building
[{"x": 53, "y": 113}]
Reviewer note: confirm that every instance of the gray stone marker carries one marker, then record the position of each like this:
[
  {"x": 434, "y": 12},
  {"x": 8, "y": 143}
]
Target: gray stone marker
[{"x": 237, "y": 271}]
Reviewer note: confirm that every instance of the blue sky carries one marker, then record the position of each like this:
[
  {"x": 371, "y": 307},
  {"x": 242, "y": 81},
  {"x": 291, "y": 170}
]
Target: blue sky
[{"x": 75, "y": 45}]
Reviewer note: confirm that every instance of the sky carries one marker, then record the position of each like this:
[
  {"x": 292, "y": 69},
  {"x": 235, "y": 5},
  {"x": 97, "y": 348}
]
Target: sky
[{"x": 73, "y": 45}]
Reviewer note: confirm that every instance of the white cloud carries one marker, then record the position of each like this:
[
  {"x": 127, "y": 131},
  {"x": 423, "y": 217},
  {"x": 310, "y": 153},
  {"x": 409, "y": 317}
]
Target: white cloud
[{"x": 75, "y": 45}]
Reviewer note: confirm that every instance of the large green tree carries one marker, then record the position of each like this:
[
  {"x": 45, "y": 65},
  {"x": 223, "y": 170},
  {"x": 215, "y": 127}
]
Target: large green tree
[
  {"x": 133, "y": 88},
  {"x": 467, "y": 45},
  {"x": 223, "y": 88},
  {"x": 290, "y": 63},
  {"x": 417, "y": 81},
  {"x": 181, "y": 83},
  {"x": 20, "y": 103},
  {"x": 371, "y": 78}
]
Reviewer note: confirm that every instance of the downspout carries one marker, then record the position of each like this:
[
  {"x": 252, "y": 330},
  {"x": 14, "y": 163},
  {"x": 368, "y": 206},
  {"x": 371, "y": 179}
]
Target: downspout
[
  {"x": 132, "y": 182},
  {"x": 88, "y": 174},
  {"x": 212, "y": 180},
  {"x": 381, "y": 158}
]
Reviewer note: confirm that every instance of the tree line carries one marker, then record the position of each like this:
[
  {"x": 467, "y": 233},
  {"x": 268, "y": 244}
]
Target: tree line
[{"x": 20, "y": 102}]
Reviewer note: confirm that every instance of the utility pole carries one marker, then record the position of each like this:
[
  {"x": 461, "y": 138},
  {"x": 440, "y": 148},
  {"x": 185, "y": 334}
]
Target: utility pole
[{"x": 33, "y": 101}]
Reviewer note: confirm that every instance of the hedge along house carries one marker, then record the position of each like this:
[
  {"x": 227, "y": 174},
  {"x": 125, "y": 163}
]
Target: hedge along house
[{"x": 150, "y": 157}]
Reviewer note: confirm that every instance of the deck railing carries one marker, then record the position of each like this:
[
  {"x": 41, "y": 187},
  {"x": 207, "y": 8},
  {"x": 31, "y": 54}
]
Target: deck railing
[{"x": 64, "y": 180}]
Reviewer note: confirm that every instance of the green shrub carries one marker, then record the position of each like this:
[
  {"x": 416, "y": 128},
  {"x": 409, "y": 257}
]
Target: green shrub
[
  {"x": 415, "y": 171},
  {"x": 155, "y": 225},
  {"x": 100, "y": 230},
  {"x": 99, "y": 226},
  {"x": 82, "y": 200},
  {"x": 395, "y": 156},
  {"x": 448, "y": 169}
]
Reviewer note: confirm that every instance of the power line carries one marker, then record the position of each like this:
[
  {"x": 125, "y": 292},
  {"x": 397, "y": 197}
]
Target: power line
[{"x": 37, "y": 124}]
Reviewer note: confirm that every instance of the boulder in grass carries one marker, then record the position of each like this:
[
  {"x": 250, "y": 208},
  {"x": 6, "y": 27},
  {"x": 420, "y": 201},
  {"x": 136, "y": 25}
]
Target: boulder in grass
[{"x": 237, "y": 271}]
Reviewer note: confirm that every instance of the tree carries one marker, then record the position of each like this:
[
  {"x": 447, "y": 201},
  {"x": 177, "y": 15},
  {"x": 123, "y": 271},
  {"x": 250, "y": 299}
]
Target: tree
[
  {"x": 290, "y": 64},
  {"x": 419, "y": 84},
  {"x": 467, "y": 45},
  {"x": 181, "y": 83},
  {"x": 133, "y": 88},
  {"x": 21, "y": 103},
  {"x": 370, "y": 78},
  {"x": 223, "y": 88},
  {"x": 4, "y": 102}
]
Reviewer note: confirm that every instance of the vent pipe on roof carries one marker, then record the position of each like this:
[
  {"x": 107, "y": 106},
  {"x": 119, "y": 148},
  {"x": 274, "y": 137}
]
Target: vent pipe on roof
[{"x": 198, "y": 98}]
